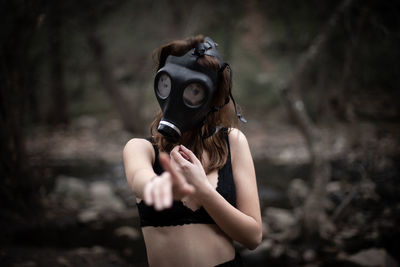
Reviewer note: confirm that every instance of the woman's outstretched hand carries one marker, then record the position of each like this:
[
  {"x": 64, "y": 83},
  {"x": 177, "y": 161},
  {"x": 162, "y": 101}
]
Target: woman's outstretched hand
[{"x": 170, "y": 185}]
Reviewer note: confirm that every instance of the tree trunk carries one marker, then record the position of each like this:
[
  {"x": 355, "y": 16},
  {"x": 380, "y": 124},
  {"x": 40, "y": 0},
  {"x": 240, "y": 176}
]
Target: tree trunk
[
  {"x": 18, "y": 189},
  {"x": 315, "y": 221},
  {"x": 57, "y": 111}
]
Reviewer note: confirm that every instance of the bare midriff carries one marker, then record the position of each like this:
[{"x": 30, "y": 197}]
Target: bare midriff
[{"x": 187, "y": 245}]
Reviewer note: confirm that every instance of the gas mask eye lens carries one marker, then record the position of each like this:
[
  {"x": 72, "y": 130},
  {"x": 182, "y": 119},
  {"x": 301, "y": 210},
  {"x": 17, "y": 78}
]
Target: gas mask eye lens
[
  {"x": 194, "y": 95},
  {"x": 164, "y": 86}
]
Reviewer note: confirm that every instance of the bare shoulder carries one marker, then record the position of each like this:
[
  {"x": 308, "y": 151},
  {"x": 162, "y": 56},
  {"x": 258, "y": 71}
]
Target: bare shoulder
[
  {"x": 138, "y": 142},
  {"x": 239, "y": 146},
  {"x": 139, "y": 147},
  {"x": 237, "y": 138}
]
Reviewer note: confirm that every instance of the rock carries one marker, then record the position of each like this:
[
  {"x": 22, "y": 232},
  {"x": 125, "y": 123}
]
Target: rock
[
  {"x": 98, "y": 250},
  {"x": 286, "y": 155},
  {"x": 70, "y": 187},
  {"x": 262, "y": 249},
  {"x": 334, "y": 188},
  {"x": 368, "y": 189},
  {"x": 277, "y": 250},
  {"x": 336, "y": 195},
  {"x": 92, "y": 201},
  {"x": 259, "y": 254},
  {"x": 103, "y": 203},
  {"x": 279, "y": 219},
  {"x": 103, "y": 197},
  {"x": 297, "y": 192},
  {"x": 309, "y": 255},
  {"x": 88, "y": 215},
  {"x": 71, "y": 191},
  {"x": 373, "y": 257},
  {"x": 348, "y": 233},
  {"x": 62, "y": 261},
  {"x": 128, "y": 232},
  {"x": 265, "y": 229},
  {"x": 27, "y": 264}
]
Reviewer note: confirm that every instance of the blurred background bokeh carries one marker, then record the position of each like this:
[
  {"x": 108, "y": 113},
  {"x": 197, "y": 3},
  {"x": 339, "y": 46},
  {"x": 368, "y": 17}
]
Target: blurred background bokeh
[{"x": 318, "y": 82}]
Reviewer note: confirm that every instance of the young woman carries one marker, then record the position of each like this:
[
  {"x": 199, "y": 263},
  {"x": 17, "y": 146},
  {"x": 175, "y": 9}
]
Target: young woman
[{"x": 194, "y": 179}]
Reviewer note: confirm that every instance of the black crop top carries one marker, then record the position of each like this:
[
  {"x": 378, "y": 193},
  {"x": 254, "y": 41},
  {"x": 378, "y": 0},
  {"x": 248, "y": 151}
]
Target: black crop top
[{"x": 179, "y": 214}]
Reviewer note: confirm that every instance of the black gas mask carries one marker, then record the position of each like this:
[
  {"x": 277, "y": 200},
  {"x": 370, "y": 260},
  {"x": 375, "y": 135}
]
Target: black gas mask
[{"x": 185, "y": 89}]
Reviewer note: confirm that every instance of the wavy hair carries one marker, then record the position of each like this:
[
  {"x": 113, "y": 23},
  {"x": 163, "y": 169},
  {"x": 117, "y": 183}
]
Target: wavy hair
[{"x": 215, "y": 145}]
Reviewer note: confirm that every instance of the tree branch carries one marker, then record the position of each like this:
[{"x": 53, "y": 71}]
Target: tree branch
[{"x": 315, "y": 221}]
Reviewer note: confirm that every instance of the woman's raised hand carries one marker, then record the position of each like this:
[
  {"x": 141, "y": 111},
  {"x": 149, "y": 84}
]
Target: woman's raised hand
[
  {"x": 190, "y": 167},
  {"x": 170, "y": 185},
  {"x": 183, "y": 177}
]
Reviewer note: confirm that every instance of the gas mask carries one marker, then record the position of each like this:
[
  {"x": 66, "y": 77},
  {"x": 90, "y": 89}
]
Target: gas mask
[{"x": 185, "y": 89}]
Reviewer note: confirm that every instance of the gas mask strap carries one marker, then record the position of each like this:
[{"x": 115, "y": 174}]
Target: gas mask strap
[
  {"x": 216, "y": 130},
  {"x": 214, "y": 109},
  {"x": 240, "y": 116},
  {"x": 223, "y": 67}
]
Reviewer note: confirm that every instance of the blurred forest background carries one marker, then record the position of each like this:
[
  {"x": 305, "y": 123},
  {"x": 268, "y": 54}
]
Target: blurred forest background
[{"x": 318, "y": 82}]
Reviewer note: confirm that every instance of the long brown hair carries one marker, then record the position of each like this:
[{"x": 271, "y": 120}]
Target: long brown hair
[{"x": 214, "y": 145}]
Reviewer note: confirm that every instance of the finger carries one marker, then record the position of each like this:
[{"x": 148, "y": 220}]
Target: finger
[
  {"x": 174, "y": 164},
  {"x": 177, "y": 149},
  {"x": 186, "y": 189},
  {"x": 178, "y": 181},
  {"x": 167, "y": 193},
  {"x": 179, "y": 159},
  {"x": 165, "y": 189},
  {"x": 157, "y": 195},
  {"x": 147, "y": 194},
  {"x": 184, "y": 155},
  {"x": 192, "y": 157},
  {"x": 166, "y": 164}
]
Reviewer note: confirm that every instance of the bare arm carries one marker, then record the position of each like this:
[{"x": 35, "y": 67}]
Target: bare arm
[{"x": 138, "y": 158}]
